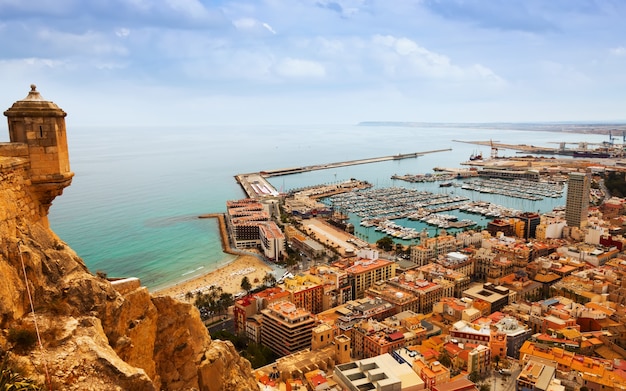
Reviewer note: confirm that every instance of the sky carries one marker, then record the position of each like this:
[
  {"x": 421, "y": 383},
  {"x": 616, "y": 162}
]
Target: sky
[{"x": 265, "y": 62}]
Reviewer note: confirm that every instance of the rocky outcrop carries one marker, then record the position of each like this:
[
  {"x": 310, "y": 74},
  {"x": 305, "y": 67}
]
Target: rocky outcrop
[{"x": 94, "y": 336}]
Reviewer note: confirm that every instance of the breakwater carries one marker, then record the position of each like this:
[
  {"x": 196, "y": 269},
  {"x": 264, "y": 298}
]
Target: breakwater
[
  {"x": 297, "y": 170},
  {"x": 256, "y": 186}
]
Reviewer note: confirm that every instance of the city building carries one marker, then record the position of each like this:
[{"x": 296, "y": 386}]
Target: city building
[
  {"x": 496, "y": 296},
  {"x": 304, "y": 243},
  {"x": 531, "y": 220},
  {"x": 577, "y": 202},
  {"x": 305, "y": 291},
  {"x": 433, "y": 373},
  {"x": 363, "y": 273},
  {"x": 428, "y": 292},
  {"x": 381, "y": 373},
  {"x": 479, "y": 359},
  {"x": 592, "y": 372},
  {"x": 242, "y": 310},
  {"x": 535, "y": 376},
  {"x": 436, "y": 271},
  {"x": 401, "y": 299},
  {"x": 272, "y": 241},
  {"x": 470, "y": 333},
  {"x": 501, "y": 227},
  {"x": 249, "y": 226},
  {"x": 430, "y": 248},
  {"x": 453, "y": 309},
  {"x": 457, "y": 262},
  {"x": 286, "y": 329},
  {"x": 462, "y": 384},
  {"x": 516, "y": 334}
]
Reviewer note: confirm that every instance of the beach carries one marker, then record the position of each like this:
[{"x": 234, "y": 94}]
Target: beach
[{"x": 228, "y": 277}]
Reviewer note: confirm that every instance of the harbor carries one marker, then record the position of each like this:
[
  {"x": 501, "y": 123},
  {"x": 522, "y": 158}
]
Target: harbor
[
  {"x": 255, "y": 185},
  {"x": 448, "y": 198}
]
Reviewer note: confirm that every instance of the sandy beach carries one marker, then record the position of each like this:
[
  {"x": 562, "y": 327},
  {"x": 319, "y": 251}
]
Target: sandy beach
[{"x": 228, "y": 277}]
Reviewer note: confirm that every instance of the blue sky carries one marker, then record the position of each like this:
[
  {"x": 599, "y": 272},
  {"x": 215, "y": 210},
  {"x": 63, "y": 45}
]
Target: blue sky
[{"x": 191, "y": 62}]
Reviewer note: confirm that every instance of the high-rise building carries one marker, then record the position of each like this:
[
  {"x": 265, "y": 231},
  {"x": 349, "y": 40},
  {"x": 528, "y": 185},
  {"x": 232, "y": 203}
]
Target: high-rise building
[
  {"x": 285, "y": 328},
  {"x": 577, "y": 202},
  {"x": 531, "y": 221}
]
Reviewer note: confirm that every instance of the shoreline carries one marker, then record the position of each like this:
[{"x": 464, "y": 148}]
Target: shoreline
[{"x": 228, "y": 277}]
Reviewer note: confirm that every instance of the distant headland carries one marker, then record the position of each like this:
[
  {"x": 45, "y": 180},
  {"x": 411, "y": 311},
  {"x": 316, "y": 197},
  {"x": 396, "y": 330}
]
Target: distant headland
[{"x": 565, "y": 127}]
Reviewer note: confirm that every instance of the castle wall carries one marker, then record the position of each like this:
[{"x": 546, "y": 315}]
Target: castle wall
[{"x": 17, "y": 200}]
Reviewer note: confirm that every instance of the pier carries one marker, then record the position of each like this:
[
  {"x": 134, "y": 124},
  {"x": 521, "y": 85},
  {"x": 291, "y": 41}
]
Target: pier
[
  {"x": 256, "y": 186},
  {"x": 297, "y": 170}
]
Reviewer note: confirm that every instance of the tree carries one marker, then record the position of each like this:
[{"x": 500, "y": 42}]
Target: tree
[
  {"x": 269, "y": 279},
  {"x": 474, "y": 377},
  {"x": 484, "y": 387},
  {"x": 245, "y": 284},
  {"x": 496, "y": 359},
  {"x": 225, "y": 301},
  {"x": 385, "y": 243},
  {"x": 399, "y": 248},
  {"x": 445, "y": 360}
]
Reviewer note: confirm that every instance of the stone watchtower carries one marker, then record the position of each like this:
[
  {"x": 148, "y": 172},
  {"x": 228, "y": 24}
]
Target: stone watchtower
[{"x": 37, "y": 130}]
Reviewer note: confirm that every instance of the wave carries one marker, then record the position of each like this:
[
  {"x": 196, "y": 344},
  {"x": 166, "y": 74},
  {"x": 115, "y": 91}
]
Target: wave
[{"x": 192, "y": 271}]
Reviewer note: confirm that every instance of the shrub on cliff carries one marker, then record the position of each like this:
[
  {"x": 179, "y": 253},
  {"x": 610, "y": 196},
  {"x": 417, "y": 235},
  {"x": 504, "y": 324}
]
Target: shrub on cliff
[
  {"x": 23, "y": 339},
  {"x": 12, "y": 380}
]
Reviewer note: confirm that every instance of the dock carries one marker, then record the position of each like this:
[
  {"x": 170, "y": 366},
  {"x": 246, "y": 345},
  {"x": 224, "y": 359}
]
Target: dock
[{"x": 256, "y": 186}]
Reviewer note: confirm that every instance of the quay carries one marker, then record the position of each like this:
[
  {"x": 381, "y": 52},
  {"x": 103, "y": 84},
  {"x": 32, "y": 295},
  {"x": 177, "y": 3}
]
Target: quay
[{"x": 256, "y": 186}]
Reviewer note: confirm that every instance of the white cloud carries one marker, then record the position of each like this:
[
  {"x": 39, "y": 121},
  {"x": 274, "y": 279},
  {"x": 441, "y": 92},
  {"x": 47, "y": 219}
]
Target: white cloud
[
  {"x": 269, "y": 28},
  {"x": 404, "y": 58},
  {"x": 618, "y": 51},
  {"x": 87, "y": 43},
  {"x": 298, "y": 68},
  {"x": 122, "y": 32},
  {"x": 252, "y": 25}
]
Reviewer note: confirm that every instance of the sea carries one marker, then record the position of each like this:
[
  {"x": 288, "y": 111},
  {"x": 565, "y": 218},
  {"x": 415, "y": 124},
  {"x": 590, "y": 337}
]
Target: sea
[{"x": 132, "y": 209}]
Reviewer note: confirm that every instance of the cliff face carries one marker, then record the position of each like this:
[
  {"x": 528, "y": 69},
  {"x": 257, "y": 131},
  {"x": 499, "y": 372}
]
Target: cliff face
[{"x": 96, "y": 335}]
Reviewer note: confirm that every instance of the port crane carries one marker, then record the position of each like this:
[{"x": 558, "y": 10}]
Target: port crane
[{"x": 494, "y": 150}]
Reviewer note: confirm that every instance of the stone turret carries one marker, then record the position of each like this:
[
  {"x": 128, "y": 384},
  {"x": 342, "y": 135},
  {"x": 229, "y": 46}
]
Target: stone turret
[{"x": 37, "y": 130}]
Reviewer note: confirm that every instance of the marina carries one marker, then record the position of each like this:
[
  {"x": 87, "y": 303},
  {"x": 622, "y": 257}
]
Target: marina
[
  {"x": 517, "y": 188},
  {"x": 403, "y": 213}
]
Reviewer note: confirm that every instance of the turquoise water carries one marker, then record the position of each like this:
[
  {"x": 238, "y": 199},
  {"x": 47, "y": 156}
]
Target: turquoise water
[{"x": 133, "y": 205}]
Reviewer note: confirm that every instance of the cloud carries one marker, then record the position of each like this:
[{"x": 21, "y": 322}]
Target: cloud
[
  {"x": 402, "y": 58},
  {"x": 494, "y": 14},
  {"x": 188, "y": 14},
  {"x": 252, "y": 25},
  {"x": 618, "y": 51},
  {"x": 300, "y": 69},
  {"x": 345, "y": 8}
]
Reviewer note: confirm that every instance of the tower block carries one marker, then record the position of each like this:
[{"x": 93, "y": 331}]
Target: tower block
[{"x": 39, "y": 125}]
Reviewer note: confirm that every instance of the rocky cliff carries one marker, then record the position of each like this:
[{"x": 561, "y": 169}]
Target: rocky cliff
[{"x": 95, "y": 334}]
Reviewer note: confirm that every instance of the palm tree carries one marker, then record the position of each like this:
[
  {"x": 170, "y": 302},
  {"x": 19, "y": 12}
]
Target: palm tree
[
  {"x": 245, "y": 284},
  {"x": 269, "y": 279}
]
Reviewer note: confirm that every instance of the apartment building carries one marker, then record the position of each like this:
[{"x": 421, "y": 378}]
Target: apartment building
[
  {"x": 363, "y": 273},
  {"x": 285, "y": 328}
]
